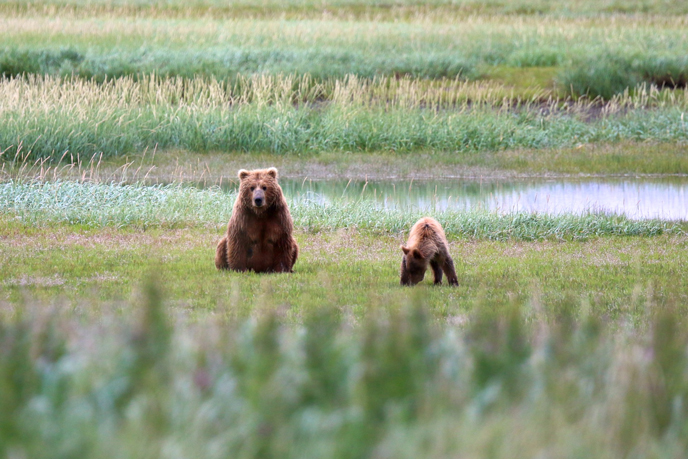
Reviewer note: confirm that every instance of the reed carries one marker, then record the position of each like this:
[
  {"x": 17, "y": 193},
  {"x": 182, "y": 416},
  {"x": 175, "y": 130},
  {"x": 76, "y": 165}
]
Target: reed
[
  {"x": 52, "y": 118},
  {"x": 593, "y": 56}
]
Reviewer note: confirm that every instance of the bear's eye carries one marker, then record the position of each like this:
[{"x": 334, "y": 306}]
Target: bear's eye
[
  {"x": 265, "y": 188},
  {"x": 253, "y": 188}
]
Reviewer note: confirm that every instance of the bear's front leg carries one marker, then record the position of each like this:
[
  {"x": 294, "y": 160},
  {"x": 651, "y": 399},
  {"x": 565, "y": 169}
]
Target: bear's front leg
[
  {"x": 286, "y": 252},
  {"x": 239, "y": 251}
]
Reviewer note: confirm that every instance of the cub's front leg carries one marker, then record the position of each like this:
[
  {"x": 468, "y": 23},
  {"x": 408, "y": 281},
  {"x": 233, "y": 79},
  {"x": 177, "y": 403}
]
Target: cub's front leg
[
  {"x": 436, "y": 271},
  {"x": 449, "y": 270}
]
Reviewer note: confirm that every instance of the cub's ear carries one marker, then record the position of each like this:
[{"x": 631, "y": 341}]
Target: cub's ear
[
  {"x": 405, "y": 249},
  {"x": 417, "y": 255},
  {"x": 243, "y": 173},
  {"x": 272, "y": 172}
]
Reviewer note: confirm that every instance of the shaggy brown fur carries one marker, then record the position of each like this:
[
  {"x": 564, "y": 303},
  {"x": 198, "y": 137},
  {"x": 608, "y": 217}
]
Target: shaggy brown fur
[
  {"x": 427, "y": 244},
  {"x": 259, "y": 234}
]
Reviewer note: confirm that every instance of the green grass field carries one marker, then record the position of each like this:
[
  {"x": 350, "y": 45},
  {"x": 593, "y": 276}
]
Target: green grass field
[{"x": 123, "y": 125}]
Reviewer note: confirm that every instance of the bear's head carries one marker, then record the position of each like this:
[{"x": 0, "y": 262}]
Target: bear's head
[
  {"x": 413, "y": 266},
  {"x": 259, "y": 190}
]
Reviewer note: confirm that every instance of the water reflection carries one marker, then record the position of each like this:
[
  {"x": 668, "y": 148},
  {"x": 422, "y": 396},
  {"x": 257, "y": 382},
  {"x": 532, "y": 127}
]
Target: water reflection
[{"x": 635, "y": 198}]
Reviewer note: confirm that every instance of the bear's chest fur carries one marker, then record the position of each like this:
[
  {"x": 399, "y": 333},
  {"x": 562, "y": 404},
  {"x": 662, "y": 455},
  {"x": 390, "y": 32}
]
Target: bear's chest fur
[{"x": 262, "y": 235}]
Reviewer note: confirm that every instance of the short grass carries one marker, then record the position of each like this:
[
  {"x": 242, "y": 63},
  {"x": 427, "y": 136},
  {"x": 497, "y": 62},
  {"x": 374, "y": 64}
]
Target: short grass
[
  {"x": 355, "y": 8},
  {"x": 73, "y": 240},
  {"x": 87, "y": 269}
]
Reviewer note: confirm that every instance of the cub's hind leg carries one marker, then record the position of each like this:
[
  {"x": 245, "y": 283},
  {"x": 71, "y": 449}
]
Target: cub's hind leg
[{"x": 436, "y": 271}]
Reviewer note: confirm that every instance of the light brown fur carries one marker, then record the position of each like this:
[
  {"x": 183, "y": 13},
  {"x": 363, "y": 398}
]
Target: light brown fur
[
  {"x": 427, "y": 245},
  {"x": 259, "y": 233}
]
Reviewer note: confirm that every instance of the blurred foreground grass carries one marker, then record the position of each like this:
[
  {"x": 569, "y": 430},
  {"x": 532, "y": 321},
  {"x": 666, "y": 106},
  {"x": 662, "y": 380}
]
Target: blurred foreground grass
[{"x": 508, "y": 381}]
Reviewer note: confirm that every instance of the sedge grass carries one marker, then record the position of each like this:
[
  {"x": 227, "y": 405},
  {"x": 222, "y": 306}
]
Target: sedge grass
[
  {"x": 352, "y": 8},
  {"x": 52, "y": 118},
  {"x": 595, "y": 57}
]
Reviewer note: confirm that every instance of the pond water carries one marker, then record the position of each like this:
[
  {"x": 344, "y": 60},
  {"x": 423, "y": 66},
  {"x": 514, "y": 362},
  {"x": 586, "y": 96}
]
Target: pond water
[{"x": 642, "y": 198}]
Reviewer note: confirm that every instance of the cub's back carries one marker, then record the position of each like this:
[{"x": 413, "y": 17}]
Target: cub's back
[{"x": 427, "y": 229}]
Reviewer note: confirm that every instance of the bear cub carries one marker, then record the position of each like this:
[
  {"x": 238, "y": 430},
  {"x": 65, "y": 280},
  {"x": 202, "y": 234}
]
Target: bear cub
[
  {"x": 259, "y": 233},
  {"x": 427, "y": 244}
]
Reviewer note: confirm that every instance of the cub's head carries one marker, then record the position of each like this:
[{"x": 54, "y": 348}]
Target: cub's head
[
  {"x": 258, "y": 189},
  {"x": 413, "y": 266}
]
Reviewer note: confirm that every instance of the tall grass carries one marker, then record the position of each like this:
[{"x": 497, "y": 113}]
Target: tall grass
[
  {"x": 508, "y": 381},
  {"x": 361, "y": 7},
  {"x": 51, "y": 118},
  {"x": 426, "y": 45},
  {"x": 608, "y": 73},
  {"x": 174, "y": 205}
]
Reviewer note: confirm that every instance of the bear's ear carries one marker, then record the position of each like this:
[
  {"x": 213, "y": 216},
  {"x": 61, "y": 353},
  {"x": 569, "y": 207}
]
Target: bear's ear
[
  {"x": 243, "y": 173},
  {"x": 417, "y": 255},
  {"x": 405, "y": 249},
  {"x": 272, "y": 172}
]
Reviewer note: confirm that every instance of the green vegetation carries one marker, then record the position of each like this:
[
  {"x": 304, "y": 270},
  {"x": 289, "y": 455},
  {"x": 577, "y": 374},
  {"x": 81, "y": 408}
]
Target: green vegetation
[
  {"x": 176, "y": 206},
  {"x": 120, "y": 77},
  {"x": 96, "y": 269},
  {"x": 64, "y": 239},
  {"x": 48, "y": 118},
  {"x": 119, "y": 338},
  {"x": 390, "y": 377},
  {"x": 592, "y": 56},
  {"x": 355, "y": 7}
]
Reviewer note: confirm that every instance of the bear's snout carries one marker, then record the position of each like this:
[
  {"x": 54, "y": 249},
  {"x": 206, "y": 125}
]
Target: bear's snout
[{"x": 258, "y": 198}]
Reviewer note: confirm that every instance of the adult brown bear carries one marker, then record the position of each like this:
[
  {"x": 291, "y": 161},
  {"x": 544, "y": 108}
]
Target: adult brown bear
[
  {"x": 259, "y": 234},
  {"x": 427, "y": 244}
]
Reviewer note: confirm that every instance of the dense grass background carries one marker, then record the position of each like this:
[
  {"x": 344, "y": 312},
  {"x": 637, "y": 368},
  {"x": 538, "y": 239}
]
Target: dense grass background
[
  {"x": 588, "y": 56},
  {"x": 537, "y": 7},
  {"x": 49, "y": 118}
]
